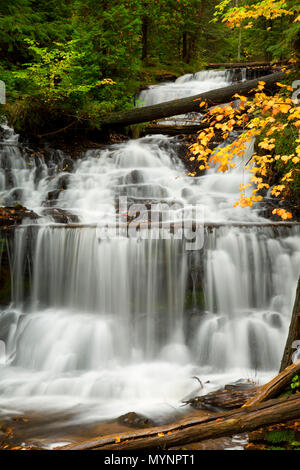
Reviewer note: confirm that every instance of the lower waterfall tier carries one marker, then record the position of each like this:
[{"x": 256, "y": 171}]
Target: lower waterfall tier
[{"x": 131, "y": 321}]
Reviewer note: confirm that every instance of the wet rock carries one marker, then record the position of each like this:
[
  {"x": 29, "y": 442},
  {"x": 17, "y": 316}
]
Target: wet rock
[
  {"x": 14, "y": 197},
  {"x": 61, "y": 216},
  {"x": 63, "y": 182},
  {"x": 52, "y": 197},
  {"x": 7, "y": 320},
  {"x": 15, "y": 215},
  {"x": 136, "y": 420},
  {"x": 134, "y": 177},
  {"x": 274, "y": 319},
  {"x": 9, "y": 179}
]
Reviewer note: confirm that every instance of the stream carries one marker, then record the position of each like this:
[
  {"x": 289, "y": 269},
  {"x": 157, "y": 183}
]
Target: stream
[{"x": 108, "y": 323}]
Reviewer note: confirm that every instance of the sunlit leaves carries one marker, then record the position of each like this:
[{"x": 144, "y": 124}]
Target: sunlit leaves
[
  {"x": 266, "y": 118},
  {"x": 269, "y": 9}
]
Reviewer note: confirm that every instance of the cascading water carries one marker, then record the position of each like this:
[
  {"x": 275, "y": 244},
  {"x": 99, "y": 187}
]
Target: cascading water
[
  {"x": 187, "y": 85},
  {"x": 104, "y": 326}
]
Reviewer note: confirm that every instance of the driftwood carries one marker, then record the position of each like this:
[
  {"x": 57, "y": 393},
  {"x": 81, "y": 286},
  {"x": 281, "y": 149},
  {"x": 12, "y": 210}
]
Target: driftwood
[
  {"x": 184, "y": 105},
  {"x": 227, "y": 399},
  {"x": 195, "y": 430},
  {"x": 294, "y": 332},
  {"x": 275, "y": 386}
]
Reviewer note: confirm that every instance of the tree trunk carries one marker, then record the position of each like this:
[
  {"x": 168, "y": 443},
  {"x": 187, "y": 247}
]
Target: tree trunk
[
  {"x": 175, "y": 129},
  {"x": 294, "y": 332},
  {"x": 184, "y": 105},
  {"x": 191, "y": 45},
  {"x": 184, "y": 46},
  {"x": 227, "y": 424},
  {"x": 145, "y": 25}
]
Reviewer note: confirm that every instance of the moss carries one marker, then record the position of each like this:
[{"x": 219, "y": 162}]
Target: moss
[{"x": 276, "y": 437}]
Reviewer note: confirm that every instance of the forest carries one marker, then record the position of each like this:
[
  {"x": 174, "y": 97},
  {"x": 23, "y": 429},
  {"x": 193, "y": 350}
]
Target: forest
[{"x": 150, "y": 227}]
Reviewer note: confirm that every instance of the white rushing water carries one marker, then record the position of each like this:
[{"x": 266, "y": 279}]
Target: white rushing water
[
  {"x": 187, "y": 85},
  {"x": 111, "y": 325}
]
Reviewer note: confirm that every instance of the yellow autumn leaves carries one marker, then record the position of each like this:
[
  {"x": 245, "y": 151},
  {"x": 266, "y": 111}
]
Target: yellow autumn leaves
[
  {"x": 264, "y": 115},
  {"x": 269, "y": 9}
]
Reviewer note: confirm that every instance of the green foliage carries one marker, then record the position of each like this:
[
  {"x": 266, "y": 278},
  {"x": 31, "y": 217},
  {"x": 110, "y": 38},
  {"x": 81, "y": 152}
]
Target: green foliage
[
  {"x": 267, "y": 26},
  {"x": 60, "y": 52},
  {"x": 276, "y": 437},
  {"x": 295, "y": 385},
  {"x": 285, "y": 437},
  {"x": 54, "y": 76}
]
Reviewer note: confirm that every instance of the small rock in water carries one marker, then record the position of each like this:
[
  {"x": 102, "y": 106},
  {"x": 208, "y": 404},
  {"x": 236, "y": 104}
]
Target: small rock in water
[{"x": 137, "y": 420}]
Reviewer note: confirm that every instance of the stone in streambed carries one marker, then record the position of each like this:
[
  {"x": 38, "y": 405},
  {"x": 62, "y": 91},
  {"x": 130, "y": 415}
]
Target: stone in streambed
[
  {"x": 136, "y": 420},
  {"x": 61, "y": 216}
]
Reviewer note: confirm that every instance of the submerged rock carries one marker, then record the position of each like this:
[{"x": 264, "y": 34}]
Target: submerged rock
[{"x": 136, "y": 420}]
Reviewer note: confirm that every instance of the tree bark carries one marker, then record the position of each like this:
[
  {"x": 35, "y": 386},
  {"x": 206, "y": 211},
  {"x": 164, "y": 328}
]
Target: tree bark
[
  {"x": 184, "y": 46},
  {"x": 184, "y": 105},
  {"x": 294, "y": 332},
  {"x": 175, "y": 129},
  {"x": 145, "y": 25},
  {"x": 196, "y": 430},
  {"x": 275, "y": 386}
]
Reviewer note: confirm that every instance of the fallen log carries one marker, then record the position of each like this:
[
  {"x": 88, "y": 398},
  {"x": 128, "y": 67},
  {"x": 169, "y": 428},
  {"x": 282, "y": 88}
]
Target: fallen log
[
  {"x": 140, "y": 225},
  {"x": 229, "y": 65},
  {"x": 275, "y": 386},
  {"x": 153, "y": 129},
  {"x": 294, "y": 332},
  {"x": 184, "y": 105},
  {"x": 195, "y": 430},
  {"x": 227, "y": 399}
]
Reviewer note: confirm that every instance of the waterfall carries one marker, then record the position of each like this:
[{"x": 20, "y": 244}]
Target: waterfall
[
  {"x": 184, "y": 86},
  {"x": 113, "y": 324}
]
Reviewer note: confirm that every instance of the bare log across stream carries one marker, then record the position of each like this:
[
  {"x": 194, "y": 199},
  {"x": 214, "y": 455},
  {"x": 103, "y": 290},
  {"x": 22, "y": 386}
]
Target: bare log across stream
[
  {"x": 172, "y": 226},
  {"x": 294, "y": 332},
  {"x": 184, "y": 105},
  {"x": 195, "y": 430}
]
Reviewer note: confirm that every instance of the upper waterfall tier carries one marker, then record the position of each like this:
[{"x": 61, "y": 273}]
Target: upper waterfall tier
[
  {"x": 187, "y": 85},
  {"x": 146, "y": 171}
]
